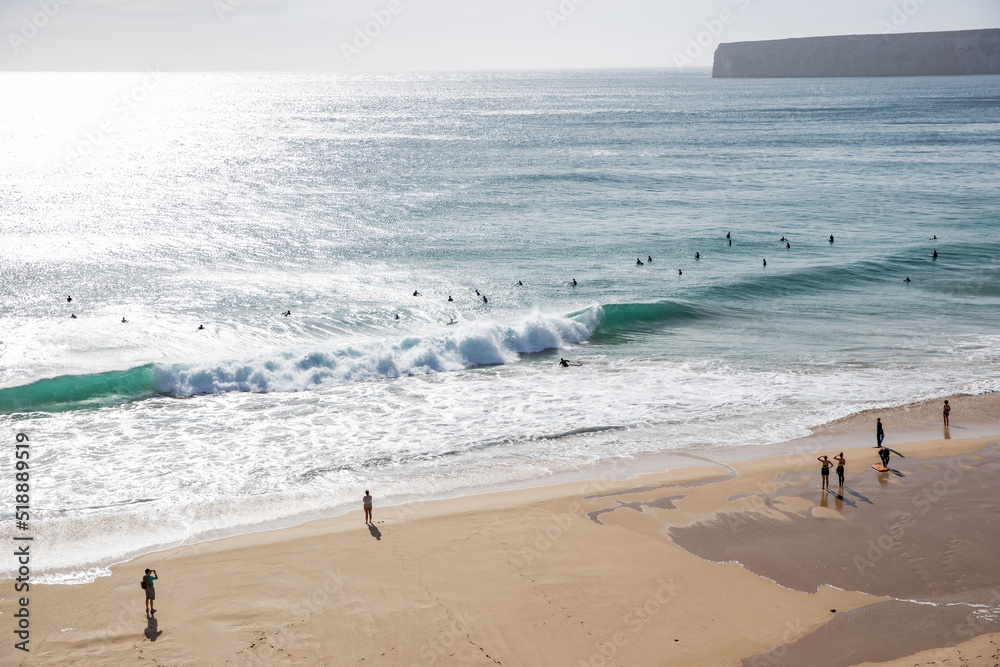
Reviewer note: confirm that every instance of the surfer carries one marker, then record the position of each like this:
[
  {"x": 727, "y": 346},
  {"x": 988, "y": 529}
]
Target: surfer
[
  {"x": 485, "y": 299},
  {"x": 728, "y": 236},
  {"x": 831, "y": 238},
  {"x": 765, "y": 262},
  {"x": 449, "y": 298},
  {"x": 934, "y": 255},
  {"x": 788, "y": 246},
  {"x": 573, "y": 283},
  {"x": 841, "y": 462},
  {"x": 679, "y": 272},
  {"x": 934, "y": 238},
  {"x": 697, "y": 255},
  {"x": 416, "y": 293},
  {"x": 124, "y": 321},
  {"x": 287, "y": 313},
  {"x": 906, "y": 279},
  {"x": 825, "y": 471},
  {"x": 884, "y": 454},
  {"x": 72, "y": 316},
  {"x": 452, "y": 321},
  {"x": 69, "y": 299},
  {"x": 638, "y": 262},
  {"x": 397, "y": 316},
  {"x": 730, "y": 242},
  {"x": 649, "y": 258},
  {"x": 879, "y": 432},
  {"x": 477, "y": 293},
  {"x": 201, "y": 327},
  {"x": 563, "y": 362},
  {"x": 783, "y": 239},
  {"x": 520, "y": 284}
]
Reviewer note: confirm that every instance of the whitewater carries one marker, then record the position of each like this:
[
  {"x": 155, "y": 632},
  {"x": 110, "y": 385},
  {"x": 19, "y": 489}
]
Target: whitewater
[{"x": 228, "y": 200}]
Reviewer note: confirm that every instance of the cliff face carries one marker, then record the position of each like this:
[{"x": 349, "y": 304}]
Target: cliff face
[{"x": 909, "y": 54}]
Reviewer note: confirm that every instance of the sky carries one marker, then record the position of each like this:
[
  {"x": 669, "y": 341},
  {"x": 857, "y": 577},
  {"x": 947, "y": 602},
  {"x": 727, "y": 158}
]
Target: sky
[{"x": 403, "y": 35}]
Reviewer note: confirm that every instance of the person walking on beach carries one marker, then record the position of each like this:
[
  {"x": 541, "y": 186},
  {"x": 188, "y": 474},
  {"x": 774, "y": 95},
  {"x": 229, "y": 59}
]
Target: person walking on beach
[
  {"x": 368, "y": 506},
  {"x": 947, "y": 411},
  {"x": 825, "y": 471},
  {"x": 841, "y": 461},
  {"x": 147, "y": 581},
  {"x": 879, "y": 433}
]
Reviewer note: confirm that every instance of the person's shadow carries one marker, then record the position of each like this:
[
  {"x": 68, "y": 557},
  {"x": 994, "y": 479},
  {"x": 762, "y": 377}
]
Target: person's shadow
[
  {"x": 151, "y": 632},
  {"x": 374, "y": 531}
]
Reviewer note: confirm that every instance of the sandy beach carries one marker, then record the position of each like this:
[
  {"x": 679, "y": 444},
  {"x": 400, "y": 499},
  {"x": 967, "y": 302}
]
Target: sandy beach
[{"x": 749, "y": 564}]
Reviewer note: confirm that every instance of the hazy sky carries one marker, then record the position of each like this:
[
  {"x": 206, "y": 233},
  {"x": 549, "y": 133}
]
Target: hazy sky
[{"x": 436, "y": 34}]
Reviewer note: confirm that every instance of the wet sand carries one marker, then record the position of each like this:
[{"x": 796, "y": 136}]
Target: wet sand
[{"x": 612, "y": 571}]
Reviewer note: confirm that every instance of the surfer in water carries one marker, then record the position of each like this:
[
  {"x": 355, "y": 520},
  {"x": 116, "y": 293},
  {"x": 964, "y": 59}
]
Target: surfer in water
[
  {"x": 697, "y": 255},
  {"x": 649, "y": 258},
  {"x": 72, "y": 316},
  {"x": 396, "y": 316},
  {"x": 730, "y": 242},
  {"x": 124, "y": 321},
  {"x": 485, "y": 300},
  {"x": 906, "y": 279},
  {"x": 477, "y": 293},
  {"x": 729, "y": 236},
  {"x": 201, "y": 327},
  {"x": 934, "y": 238},
  {"x": 520, "y": 284},
  {"x": 69, "y": 299},
  {"x": 573, "y": 282},
  {"x": 638, "y": 262},
  {"x": 679, "y": 272},
  {"x": 934, "y": 255},
  {"x": 788, "y": 246},
  {"x": 563, "y": 362},
  {"x": 416, "y": 293},
  {"x": 783, "y": 239},
  {"x": 765, "y": 262},
  {"x": 449, "y": 298},
  {"x": 452, "y": 321}
]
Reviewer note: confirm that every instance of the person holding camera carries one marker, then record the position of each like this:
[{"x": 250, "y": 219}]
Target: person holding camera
[{"x": 147, "y": 582}]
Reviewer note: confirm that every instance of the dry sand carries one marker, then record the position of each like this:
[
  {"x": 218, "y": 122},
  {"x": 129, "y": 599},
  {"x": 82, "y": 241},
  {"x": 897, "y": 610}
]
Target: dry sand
[{"x": 614, "y": 571}]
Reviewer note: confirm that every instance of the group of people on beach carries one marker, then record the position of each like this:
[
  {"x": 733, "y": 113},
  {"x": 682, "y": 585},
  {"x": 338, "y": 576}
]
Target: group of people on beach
[{"x": 884, "y": 453}]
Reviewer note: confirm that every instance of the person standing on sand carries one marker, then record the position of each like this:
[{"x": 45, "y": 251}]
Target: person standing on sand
[
  {"x": 825, "y": 471},
  {"x": 368, "y": 506},
  {"x": 947, "y": 411},
  {"x": 148, "y": 579},
  {"x": 841, "y": 461},
  {"x": 879, "y": 433}
]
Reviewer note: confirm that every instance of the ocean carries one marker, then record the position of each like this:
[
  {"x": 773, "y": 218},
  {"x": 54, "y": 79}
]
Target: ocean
[{"x": 223, "y": 200}]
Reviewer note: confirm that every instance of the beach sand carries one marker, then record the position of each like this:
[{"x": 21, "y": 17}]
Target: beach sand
[{"x": 712, "y": 565}]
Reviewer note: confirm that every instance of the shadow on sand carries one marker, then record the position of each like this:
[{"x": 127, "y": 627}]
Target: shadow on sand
[
  {"x": 374, "y": 531},
  {"x": 151, "y": 632}
]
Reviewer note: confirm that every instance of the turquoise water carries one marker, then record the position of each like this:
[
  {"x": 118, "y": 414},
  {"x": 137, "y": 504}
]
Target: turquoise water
[{"x": 225, "y": 200}]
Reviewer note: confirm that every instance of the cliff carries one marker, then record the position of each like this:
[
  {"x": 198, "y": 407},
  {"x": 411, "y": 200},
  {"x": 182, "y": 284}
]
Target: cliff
[{"x": 908, "y": 54}]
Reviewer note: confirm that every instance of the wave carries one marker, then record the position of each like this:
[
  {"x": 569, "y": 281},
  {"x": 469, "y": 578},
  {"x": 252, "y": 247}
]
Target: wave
[
  {"x": 75, "y": 392},
  {"x": 472, "y": 344},
  {"x": 625, "y": 322}
]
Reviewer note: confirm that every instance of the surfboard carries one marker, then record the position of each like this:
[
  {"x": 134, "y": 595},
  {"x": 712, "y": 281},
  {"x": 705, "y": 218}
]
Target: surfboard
[{"x": 880, "y": 468}]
